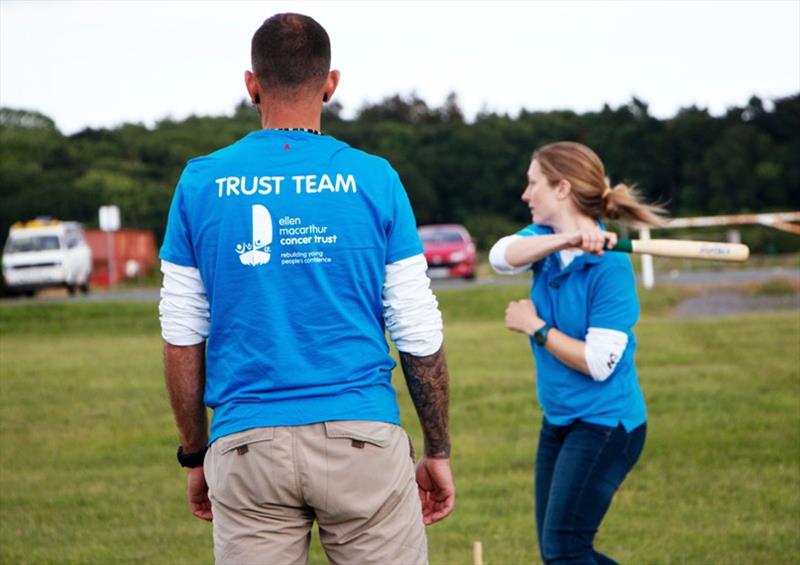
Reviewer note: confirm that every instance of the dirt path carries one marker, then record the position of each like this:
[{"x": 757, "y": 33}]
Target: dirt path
[{"x": 713, "y": 302}]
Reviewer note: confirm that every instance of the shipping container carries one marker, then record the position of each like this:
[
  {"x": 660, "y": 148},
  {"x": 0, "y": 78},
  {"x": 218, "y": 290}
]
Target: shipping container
[{"x": 134, "y": 253}]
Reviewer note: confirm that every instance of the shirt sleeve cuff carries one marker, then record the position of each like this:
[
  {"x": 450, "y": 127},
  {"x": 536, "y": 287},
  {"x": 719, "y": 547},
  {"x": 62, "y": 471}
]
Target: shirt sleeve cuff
[
  {"x": 184, "y": 310},
  {"x": 604, "y": 349},
  {"x": 497, "y": 257}
]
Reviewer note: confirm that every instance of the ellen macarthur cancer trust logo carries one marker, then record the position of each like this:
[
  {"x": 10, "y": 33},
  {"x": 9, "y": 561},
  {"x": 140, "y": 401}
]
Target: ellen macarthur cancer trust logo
[{"x": 257, "y": 251}]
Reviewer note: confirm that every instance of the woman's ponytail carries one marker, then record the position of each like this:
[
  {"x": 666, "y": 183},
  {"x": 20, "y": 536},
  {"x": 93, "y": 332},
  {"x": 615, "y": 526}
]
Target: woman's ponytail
[
  {"x": 622, "y": 202},
  {"x": 591, "y": 190}
]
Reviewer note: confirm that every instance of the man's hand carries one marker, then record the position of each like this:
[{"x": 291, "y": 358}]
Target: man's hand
[
  {"x": 437, "y": 490},
  {"x": 197, "y": 492}
]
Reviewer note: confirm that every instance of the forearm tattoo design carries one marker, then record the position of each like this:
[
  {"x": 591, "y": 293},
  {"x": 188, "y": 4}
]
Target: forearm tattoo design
[{"x": 427, "y": 381}]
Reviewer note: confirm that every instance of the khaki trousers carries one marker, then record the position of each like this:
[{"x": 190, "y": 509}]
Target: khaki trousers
[{"x": 356, "y": 478}]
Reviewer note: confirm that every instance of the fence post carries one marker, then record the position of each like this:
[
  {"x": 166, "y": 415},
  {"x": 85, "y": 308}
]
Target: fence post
[{"x": 648, "y": 276}]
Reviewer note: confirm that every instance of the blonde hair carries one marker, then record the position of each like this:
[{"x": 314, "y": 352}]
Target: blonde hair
[{"x": 591, "y": 190}]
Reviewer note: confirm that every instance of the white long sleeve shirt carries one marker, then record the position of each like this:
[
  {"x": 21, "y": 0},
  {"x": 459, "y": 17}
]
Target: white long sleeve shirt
[{"x": 410, "y": 309}]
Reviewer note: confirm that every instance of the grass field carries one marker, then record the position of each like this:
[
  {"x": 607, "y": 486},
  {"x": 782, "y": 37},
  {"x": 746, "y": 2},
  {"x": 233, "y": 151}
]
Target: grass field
[{"x": 88, "y": 472}]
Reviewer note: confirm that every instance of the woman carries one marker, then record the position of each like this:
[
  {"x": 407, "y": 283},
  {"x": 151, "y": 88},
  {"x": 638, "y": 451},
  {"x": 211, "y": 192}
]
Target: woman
[{"x": 579, "y": 319}]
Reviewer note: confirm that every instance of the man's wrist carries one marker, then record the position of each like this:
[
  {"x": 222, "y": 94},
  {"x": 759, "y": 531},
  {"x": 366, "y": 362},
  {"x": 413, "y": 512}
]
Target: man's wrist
[
  {"x": 439, "y": 451},
  {"x": 193, "y": 459}
]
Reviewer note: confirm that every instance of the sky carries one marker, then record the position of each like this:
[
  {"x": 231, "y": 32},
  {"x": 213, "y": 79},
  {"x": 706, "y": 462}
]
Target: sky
[{"x": 103, "y": 63}]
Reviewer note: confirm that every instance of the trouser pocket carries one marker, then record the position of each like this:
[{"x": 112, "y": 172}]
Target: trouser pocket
[
  {"x": 364, "y": 459},
  {"x": 372, "y": 512},
  {"x": 240, "y": 469},
  {"x": 361, "y": 432}
]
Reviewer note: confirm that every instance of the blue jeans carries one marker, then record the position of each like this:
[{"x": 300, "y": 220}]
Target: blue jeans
[{"x": 579, "y": 467}]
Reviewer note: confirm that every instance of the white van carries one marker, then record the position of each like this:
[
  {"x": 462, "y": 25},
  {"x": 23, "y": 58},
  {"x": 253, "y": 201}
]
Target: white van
[{"x": 46, "y": 253}]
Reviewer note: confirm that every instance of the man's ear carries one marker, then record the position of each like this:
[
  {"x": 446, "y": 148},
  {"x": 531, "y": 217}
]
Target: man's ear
[
  {"x": 329, "y": 87},
  {"x": 253, "y": 87}
]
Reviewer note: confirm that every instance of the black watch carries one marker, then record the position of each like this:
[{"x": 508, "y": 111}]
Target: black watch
[
  {"x": 540, "y": 335},
  {"x": 191, "y": 460}
]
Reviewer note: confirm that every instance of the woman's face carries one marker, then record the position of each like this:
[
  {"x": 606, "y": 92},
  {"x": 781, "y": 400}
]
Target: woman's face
[{"x": 540, "y": 196}]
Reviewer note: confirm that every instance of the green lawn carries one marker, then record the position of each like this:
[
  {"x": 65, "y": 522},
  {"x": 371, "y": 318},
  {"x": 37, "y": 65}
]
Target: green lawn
[{"x": 88, "y": 473}]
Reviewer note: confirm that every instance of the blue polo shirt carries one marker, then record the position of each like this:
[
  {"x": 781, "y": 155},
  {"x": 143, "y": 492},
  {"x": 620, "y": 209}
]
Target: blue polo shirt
[
  {"x": 291, "y": 233},
  {"x": 591, "y": 292}
]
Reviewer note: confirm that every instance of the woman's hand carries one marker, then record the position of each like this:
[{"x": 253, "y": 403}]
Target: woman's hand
[
  {"x": 521, "y": 316},
  {"x": 592, "y": 241}
]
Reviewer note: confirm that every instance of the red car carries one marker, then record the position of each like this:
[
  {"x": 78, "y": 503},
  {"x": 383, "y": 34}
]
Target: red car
[{"x": 449, "y": 250}]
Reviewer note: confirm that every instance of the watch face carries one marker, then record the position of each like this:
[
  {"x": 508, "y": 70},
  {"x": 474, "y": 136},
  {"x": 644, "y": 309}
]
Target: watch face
[{"x": 540, "y": 337}]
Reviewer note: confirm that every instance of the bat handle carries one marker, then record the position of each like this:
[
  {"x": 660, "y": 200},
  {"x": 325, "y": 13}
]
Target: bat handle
[{"x": 623, "y": 245}]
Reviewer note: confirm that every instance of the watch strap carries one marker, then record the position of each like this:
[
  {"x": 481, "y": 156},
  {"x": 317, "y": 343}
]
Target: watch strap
[
  {"x": 540, "y": 335},
  {"x": 191, "y": 460}
]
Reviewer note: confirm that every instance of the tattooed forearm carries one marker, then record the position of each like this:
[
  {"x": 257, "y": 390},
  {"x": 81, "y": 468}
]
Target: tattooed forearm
[{"x": 427, "y": 382}]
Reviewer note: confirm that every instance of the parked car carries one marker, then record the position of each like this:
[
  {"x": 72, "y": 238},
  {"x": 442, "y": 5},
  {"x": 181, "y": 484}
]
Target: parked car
[
  {"x": 46, "y": 253},
  {"x": 449, "y": 250}
]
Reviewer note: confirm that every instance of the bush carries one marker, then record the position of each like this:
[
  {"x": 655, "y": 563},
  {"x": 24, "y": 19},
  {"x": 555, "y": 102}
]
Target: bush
[{"x": 488, "y": 228}]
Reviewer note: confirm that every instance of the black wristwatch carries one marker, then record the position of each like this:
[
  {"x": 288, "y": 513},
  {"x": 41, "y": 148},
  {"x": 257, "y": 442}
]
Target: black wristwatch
[
  {"x": 191, "y": 460},
  {"x": 540, "y": 335}
]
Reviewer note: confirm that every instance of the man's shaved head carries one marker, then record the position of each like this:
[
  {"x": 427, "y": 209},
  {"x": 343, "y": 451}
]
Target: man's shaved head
[{"x": 291, "y": 51}]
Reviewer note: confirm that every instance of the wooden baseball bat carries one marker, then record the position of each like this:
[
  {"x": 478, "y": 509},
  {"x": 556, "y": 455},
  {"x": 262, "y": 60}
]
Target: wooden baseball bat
[{"x": 688, "y": 249}]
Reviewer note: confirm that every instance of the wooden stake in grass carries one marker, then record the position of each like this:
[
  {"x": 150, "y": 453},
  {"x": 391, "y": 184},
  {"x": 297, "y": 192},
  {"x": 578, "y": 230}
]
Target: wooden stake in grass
[{"x": 477, "y": 553}]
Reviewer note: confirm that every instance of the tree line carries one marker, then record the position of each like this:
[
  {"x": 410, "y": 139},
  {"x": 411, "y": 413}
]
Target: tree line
[{"x": 460, "y": 171}]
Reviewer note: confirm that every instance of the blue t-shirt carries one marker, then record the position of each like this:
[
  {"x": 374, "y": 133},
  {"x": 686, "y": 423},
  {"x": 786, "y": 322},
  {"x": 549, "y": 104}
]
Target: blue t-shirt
[
  {"x": 591, "y": 292},
  {"x": 291, "y": 233}
]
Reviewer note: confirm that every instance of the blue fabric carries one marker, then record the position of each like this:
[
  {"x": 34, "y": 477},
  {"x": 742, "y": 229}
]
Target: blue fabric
[
  {"x": 592, "y": 291},
  {"x": 291, "y": 233},
  {"x": 578, "y": 469}
]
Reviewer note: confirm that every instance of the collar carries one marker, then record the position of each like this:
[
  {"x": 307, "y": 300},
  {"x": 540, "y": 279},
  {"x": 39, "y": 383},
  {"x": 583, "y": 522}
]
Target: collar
[
  {"x": 307, "y": 130},
  {"x": 578, "y": 263}
]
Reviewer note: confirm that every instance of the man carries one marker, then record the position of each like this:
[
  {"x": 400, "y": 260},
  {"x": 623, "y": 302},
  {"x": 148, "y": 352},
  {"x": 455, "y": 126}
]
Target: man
[{"x": 286, "y": 256}]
